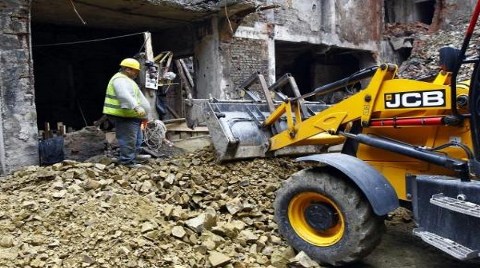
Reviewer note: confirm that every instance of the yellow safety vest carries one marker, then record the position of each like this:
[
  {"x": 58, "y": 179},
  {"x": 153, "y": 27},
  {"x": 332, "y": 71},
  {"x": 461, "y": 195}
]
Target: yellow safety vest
[{"x": 112, "y": 103}]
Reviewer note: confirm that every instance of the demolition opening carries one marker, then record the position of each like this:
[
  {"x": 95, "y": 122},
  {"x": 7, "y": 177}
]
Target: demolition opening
[
  {"x": 77, "y": 48},
  {"x": 313, "y": 66},
  {"x": 71, "y": 74},
  {"x": 405, "y": 11},
  {"x": 425, "y": 11},
  {"x": 72, "y": 67}
]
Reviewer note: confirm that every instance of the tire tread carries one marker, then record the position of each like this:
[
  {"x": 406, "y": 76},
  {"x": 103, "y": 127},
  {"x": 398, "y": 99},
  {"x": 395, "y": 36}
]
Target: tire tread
[{"x": 363, "y": 234}]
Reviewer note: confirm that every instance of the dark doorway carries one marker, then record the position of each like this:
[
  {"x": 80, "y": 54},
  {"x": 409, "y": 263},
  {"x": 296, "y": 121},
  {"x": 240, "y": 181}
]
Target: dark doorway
[
  {"x": 313, "y": 66},
  {"x": 424, "y": 11},
  {"x": 70, "y": 79},
  {"x": 405, "y": 11}
]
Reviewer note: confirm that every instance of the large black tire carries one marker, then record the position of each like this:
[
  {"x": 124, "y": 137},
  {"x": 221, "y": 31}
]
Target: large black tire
[{"x": 355, "y": 232}]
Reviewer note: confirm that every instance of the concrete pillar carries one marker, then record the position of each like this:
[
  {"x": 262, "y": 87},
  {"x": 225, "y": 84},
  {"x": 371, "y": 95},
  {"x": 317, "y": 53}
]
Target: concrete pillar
[
  {"x": 18, "y": 119},
  {"x": 208, "y": 65},
  {"x": 270, "y": 15}
]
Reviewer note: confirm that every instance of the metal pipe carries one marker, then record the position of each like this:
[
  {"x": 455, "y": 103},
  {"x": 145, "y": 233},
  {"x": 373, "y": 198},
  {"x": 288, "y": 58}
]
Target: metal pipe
[
  {"x": 394, "y": 122},
  {"x": 280, "y": 82},
  {"x": 412, "y": 151},
  {"x": 252, "y": 79},
  {"x": 362, "y": 74},
  {"x": 466, "y": 41}
]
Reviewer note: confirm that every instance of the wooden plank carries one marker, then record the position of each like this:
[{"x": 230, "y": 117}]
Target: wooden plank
[
  {"x": 147, "y": 36},
  {"x": 175, "y": 120},
  {"x": 187, "y": 73},
  {"x": 187, "y": 129},
  {"x": 184, "y": 79},
  {"x": 182, "y": 126},
  {"x": 61, "y": 129},
  {"x": 47, "y": 131}
]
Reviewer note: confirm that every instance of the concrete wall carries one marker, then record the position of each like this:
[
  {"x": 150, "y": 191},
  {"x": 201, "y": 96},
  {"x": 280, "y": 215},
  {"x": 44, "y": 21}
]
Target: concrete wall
[
  {"x": 18, "y": 126},
  {"x": 400, "y": 11},
  {"x": 456, "y": 10},
  {"x": 343, "y": 23},
  {"x": 220, "y": 63},
  {"x": 223, "y": 63},
  {"x": 242, "y": 57}
]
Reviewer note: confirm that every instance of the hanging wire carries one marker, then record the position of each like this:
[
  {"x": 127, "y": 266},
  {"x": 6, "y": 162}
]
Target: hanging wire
[
  {"x": 144, "y": 42},
  {"x": 88, "y": 41},
  {"x": 76, "y": 12},
  {"x": 81, "y": 112}
]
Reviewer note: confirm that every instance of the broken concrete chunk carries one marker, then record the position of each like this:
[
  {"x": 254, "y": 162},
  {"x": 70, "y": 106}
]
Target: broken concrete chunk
[
  {"x": 203, "y": 210},
  {"x": 58, "y": 185},
  {"x": 401, "y": 42},
  {"x": 303, "y": 260},
  {"x": 178, "y": 231},
  {"x": 87, "y": 259},
  {"x": 75, "y": 189},
  {"x": 91, "y": 184},
  {"x": 30, "y": 205},
  {"x": 201, "y": 222},
  {"x": 217, "y": 259},
  {"x": 234, "y": 206},
  {"x": 6, "y": 241},
  {"x": 59, "y": 194},
  {"x": 54, "y": 243},
  {"x": 147, "y": 186},
  {"x": 170, "y": 179},
  {"x": 147, "y": 226},
  {"x": 100, "y": 166},
  {"x": 167, "y": 210},
  {"x": 246, "y": 237},
  {"x": 209, "y": 244}
]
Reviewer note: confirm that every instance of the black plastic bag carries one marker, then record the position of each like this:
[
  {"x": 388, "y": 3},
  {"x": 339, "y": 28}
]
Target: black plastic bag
[{"x": 51, "y": 151}]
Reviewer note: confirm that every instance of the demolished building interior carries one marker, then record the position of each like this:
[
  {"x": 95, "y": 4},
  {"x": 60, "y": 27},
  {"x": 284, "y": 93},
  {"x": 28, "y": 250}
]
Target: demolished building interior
[{"x": 76, "y": 47}]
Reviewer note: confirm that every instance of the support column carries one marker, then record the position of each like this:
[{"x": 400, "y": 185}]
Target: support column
[
  {"x": 208, "y": 65},
  {"x": 18, "y": 118}
]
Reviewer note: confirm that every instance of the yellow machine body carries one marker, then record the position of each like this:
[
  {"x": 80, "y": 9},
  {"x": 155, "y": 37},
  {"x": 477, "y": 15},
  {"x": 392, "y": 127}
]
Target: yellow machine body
[{"x": 421, "y": 100}]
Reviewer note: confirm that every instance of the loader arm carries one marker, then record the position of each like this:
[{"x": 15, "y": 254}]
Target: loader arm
[{"x": 385, "y": 98}]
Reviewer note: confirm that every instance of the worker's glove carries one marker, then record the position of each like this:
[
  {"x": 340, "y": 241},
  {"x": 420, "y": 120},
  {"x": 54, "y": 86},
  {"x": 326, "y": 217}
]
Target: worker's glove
[{"x": 140, "y": 111}]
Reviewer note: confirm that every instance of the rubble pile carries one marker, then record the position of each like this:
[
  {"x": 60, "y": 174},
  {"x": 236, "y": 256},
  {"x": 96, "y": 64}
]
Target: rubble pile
[
  {"x": 186, "y": 211},
  {"x": 424, "y": 58},
  {"x": 85, "y": 143},
  {"x": 411, "y": 29}
]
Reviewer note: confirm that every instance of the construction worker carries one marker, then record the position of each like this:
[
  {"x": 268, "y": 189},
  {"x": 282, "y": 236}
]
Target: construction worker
[{"x": 127, "y": 107}]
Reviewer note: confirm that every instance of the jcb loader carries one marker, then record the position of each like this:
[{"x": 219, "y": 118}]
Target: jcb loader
[{"x": 405, "y": 142}]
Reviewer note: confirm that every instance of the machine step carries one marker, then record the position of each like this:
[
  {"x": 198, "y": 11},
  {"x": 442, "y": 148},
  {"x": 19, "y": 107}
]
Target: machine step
[
  {"x": 464, "y": 207},
  {"x": 454, "y": 249}
]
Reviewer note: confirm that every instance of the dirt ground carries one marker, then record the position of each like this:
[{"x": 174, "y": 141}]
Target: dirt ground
[
  {"x": 400, "y": 248},
  {"x": 184, "y": 211}
]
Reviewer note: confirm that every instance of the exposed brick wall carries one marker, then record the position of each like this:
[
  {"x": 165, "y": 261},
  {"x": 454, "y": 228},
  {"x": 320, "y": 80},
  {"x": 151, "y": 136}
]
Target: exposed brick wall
[
  {"x": 242, "y": 58},
  {"x": 18, "y": 126}
]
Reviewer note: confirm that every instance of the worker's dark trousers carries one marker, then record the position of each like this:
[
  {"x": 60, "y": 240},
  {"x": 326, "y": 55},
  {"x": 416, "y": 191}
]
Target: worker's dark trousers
[{"x": 129, "y": 136}]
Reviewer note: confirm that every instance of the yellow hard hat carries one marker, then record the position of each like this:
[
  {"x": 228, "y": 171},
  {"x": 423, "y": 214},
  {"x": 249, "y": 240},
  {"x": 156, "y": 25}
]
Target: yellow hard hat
[{"x": 130, "y": 63}]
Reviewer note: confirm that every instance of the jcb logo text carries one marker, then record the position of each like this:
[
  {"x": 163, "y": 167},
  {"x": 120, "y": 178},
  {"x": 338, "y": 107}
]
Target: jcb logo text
[{"x": 415, "y": 99}]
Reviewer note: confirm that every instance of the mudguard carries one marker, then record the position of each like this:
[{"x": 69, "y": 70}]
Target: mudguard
[{"x": 376, "y": 188}]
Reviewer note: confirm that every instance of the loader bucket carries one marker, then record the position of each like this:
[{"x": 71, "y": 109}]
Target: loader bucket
[{"x": 236, "y": 129}]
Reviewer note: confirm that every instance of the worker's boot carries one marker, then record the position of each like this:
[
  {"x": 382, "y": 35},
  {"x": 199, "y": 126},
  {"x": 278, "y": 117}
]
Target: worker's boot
[
  {"x": 134, "y": 165},
  {"x": 141, "y": 158}
]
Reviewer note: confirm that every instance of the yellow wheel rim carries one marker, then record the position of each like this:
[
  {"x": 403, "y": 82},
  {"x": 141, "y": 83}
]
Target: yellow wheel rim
[{"x": 298, "y": 220}]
